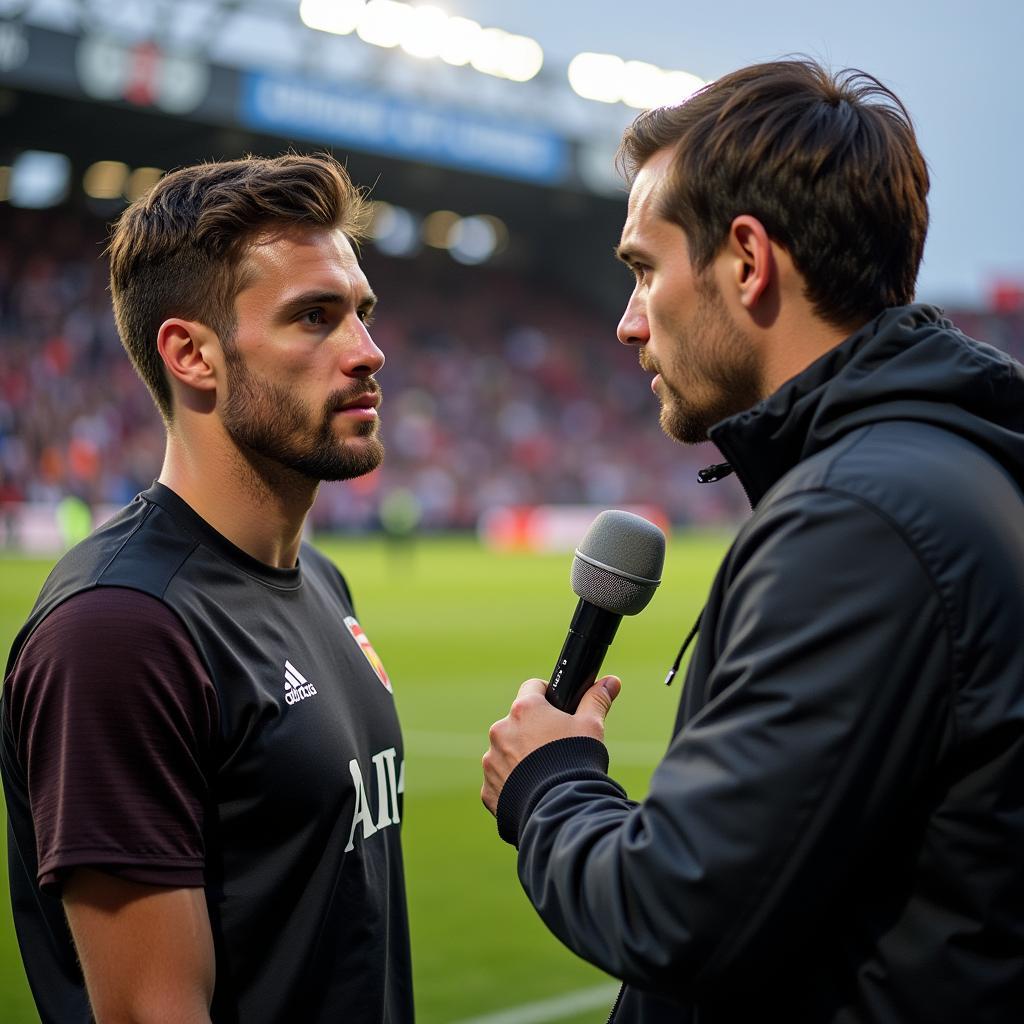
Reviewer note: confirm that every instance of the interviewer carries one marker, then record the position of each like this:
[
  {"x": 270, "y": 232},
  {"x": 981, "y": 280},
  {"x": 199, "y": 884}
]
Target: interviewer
[{"x": 836, "y": 831}]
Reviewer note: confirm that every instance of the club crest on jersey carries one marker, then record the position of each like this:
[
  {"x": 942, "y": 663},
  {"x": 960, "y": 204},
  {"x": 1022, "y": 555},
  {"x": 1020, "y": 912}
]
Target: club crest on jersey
[{"x": 367, "y": 648}]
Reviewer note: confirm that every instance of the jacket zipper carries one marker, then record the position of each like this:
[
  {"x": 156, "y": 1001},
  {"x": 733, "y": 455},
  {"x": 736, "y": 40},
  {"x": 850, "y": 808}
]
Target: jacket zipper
[{"x": 618, "y": 999}]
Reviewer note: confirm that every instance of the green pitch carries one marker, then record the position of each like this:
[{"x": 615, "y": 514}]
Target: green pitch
[{"x": 458, "y": 628}]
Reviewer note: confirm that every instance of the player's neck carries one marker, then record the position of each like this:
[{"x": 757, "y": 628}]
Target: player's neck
[{"x": 259, "y": 506}]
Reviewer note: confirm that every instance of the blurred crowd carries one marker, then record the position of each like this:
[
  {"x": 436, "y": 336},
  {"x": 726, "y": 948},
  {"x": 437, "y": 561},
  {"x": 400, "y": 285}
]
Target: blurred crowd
[{"x": 498, "y": 390}]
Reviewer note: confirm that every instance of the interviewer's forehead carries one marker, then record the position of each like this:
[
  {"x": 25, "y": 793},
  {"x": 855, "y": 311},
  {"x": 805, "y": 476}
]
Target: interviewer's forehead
[
  {"x": 649, "y": 180},
  {"x": 642, "y": 215}
]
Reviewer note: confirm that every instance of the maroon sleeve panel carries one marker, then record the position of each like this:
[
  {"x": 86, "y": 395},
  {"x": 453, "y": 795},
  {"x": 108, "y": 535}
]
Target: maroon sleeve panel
[{"x": 114, "y": 718}]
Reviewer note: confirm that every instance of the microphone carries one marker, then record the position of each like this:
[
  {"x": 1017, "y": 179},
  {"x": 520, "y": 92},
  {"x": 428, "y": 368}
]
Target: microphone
[{"x": 615, "y": 571}]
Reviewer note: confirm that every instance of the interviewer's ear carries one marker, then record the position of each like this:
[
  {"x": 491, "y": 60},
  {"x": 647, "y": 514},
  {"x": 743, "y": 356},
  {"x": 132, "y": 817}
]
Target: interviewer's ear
[
  {"x": 752, "y": 261},
  {"x": 188, "y": 350}
]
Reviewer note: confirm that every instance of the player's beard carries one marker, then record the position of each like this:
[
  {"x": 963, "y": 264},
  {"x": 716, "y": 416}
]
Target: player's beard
[
  {"x": 269, "y": 423},
  {"x": 711, "y": 372}
]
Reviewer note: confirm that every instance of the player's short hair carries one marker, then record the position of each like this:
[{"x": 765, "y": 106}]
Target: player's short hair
[
  {"x": 827, "y": 162},
  {"x": 179, "y": 250}
]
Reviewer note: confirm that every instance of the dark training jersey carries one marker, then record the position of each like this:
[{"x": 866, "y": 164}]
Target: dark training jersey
[{"x": 177, "y": 713}]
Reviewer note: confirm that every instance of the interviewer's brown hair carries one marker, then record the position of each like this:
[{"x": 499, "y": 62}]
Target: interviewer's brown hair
[
  {"x": 178, "y": 251},
  {"x": 827, "y": 162}
]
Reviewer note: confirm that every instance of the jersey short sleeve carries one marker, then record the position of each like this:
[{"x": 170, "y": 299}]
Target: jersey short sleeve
[{"x": 114, "y": 718}]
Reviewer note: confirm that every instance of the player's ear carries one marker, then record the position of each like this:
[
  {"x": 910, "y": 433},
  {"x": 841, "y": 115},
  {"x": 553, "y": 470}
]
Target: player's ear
[
  {"x": 191, "y": 352},
  {"x": 752, "y": 265}
]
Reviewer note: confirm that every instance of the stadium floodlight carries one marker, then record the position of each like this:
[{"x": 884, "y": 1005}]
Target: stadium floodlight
[
  {"x": 597, "y": 76},
  {"x": 681, "y": 85},
  {"x": 610, "y": 79},
  {"x": 105, "y": 179},
  {"x": 461, "y": 39},
  {"x": 489, "y": 52},
  {"x": 523, "y": 58},
  {"x": 437, "y": 228},
  {"x": 472, "y": 240},
  {"x": 384, "y": 22},
  {"x": 393, "y": 229},
  {"x": 337, "y": 16},
  {"x": 39, "y": 179},
  {"x": 140, "y": 181},
  {"x": 425, "y": 31},
  {"x": 643, "y": 85},
  {"x": 500, "y": 229},
  {"x": 504, "y": 55},
  {"x": 380, "y": 212}
]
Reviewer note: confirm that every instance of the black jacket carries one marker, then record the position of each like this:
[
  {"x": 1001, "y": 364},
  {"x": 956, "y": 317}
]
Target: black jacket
[{"x": 836, "y": 832}]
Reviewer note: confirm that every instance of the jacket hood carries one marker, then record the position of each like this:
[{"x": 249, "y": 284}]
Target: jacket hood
[{"x": 909, "y": 363}]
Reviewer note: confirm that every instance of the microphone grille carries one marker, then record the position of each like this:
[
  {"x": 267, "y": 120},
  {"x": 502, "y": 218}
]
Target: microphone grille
[{"x": 629, "y": 552}]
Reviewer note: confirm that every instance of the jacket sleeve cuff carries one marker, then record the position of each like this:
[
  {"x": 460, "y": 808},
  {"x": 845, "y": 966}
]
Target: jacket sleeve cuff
[{"x": 575, "y": 757}]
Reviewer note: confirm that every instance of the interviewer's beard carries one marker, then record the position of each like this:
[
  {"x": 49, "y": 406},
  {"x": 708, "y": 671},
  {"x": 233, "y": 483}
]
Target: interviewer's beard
[
  {"x": 712, "y": 371},
  {"x": 269, "y": 422}
]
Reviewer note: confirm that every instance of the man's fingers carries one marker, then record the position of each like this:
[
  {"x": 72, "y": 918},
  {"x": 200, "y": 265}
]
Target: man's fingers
[
  {"x": 531, "y": 722},
  {"x": 488, "y": 797},
  {"x": 598, "y": 699},
  {"x": 533, "y": 686}
]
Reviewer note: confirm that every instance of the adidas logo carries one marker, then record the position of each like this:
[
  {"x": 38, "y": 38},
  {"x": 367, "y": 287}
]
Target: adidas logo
[{"x": 295, "y": 686}]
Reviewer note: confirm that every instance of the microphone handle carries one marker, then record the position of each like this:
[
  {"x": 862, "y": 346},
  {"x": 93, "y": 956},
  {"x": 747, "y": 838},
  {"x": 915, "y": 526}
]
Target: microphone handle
[{"x": 591, "y": 631}]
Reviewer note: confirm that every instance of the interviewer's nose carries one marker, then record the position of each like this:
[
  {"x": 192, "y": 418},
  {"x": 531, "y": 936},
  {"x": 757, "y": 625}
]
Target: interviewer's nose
[{"x": 633, "y": 328}]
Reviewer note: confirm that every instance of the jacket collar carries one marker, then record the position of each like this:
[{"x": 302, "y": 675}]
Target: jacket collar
[{"x": 763, "y": 443}]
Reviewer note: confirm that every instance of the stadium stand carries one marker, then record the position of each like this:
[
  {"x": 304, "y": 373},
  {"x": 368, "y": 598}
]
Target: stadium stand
[
  {"x": 498, "y": 390},
  {"x": 504, "y": 383}
]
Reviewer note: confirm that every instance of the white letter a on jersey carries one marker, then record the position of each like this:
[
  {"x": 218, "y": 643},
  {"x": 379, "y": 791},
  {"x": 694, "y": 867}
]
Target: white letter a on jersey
[{"x": 361, "y": 812}]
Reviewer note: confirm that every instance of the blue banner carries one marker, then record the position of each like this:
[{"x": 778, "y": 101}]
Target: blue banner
[{"x": 373, "y": 121}]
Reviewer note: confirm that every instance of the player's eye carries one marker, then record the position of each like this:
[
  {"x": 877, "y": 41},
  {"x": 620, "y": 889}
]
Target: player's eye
[{"x": 638, "y": 270}]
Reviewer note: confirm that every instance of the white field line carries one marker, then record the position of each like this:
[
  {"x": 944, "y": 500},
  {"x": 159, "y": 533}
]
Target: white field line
[
  {"x": 552, "y": 1009},
  {"x": 464, "y": 745}
]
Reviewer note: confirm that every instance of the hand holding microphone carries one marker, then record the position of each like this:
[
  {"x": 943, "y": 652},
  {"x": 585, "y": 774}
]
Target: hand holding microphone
[{"x": 615, "y": 571}]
